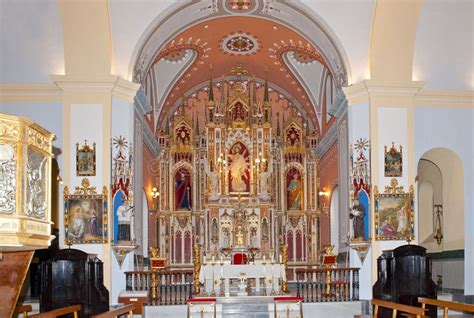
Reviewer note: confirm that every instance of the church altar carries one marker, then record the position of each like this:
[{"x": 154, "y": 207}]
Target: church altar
[{"x": 223, "y": 272}]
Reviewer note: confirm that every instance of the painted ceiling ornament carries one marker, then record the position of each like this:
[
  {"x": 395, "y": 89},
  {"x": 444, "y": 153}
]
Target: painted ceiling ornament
[
  {"x": 240, "y": 44},
  {"x": 176, "y": 56},
  {"x": 240, "y": 6},
  {"x": 303, "y": 58}
]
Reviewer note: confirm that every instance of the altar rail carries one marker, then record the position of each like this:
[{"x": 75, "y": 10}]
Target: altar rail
[
  {"x": 327, "y": 284},
  {"x": 167, "y": 287}
]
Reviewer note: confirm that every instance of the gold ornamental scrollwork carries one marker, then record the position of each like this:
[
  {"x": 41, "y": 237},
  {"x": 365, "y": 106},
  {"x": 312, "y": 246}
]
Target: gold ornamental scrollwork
[{"x": 197, "y": 268}]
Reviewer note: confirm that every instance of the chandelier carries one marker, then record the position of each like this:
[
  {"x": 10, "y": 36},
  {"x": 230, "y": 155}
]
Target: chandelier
[{"x": 240, "y": 5}]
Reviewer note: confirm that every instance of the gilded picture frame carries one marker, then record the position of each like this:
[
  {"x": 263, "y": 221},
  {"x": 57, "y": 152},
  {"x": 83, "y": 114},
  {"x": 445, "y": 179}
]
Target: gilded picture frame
[
  {"x": 85, "y": 215},
  {"x": 394, "y": 213},
  {"x": 85, "y": 160},
  {"x": 393, "y": 161}
]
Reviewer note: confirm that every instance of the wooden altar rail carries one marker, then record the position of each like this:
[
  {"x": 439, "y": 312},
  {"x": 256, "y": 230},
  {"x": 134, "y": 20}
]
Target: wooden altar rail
[
  {"x": 327, "y": 284},
  {"x": 59, "y": 312},
  {"x": 446, "y": 305},
  {"x": 168, "y": 287},
  {"x": 128, "y": 309},
  {"x": 410, "y": 310}
]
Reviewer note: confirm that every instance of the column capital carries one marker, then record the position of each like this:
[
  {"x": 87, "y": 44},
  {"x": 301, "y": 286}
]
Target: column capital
[
  {"x": 119, "y": 87},
  {"x": 364, "y": 90}
]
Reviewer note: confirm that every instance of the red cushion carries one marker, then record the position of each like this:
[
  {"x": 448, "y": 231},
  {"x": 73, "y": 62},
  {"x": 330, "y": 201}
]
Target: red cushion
[
  {"x": 239, "y": 259},
  {"x": 288, "y": 298},
  {"x": 202, "y": 300}
]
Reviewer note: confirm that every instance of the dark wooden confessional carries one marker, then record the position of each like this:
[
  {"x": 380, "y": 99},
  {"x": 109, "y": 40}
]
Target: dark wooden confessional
[
  {"x": 71, "y": 277},
  {"x": 404, "y": 274}
]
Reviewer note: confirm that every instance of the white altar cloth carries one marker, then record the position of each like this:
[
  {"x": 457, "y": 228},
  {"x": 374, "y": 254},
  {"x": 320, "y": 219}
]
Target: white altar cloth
[{"x": 271, "y": 272}]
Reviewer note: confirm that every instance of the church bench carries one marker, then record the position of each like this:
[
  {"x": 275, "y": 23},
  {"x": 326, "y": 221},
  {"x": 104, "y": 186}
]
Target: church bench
[
  {"x": 446, "y": 305},
  {"x": 410, "y": 310},
  {"x": 22, "y": 310},
  {"x": 59, "y": 312},
  {"x": 117, "y": 312}
]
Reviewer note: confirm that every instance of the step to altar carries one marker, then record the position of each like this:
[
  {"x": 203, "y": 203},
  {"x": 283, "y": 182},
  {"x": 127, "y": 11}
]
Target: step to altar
[{"x": 310, "y": 310}]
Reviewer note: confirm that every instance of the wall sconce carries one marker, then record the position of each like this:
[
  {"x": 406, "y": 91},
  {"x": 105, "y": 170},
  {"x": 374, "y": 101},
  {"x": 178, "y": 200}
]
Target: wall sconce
[
  {"x": 323, "y": 193},
  {"x": 155, "y": 194},
  {"x": 438, "y": 223}
]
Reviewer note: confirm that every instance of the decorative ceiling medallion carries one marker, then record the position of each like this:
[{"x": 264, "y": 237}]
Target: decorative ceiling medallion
[
  {"x": 240, "y": 44},
  {"x": 177, "y": 56},
  {"x": 240, "y": 6}
]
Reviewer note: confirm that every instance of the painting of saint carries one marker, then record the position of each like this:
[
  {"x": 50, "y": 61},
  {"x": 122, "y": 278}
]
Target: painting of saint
[
  {"x": 183, "y": 194},
  {"x": 294, "y": 190},
  {"x": 239, "y": 172},
  {"x": 85, "y": 224},
  {"x": 394, "y": 221}
]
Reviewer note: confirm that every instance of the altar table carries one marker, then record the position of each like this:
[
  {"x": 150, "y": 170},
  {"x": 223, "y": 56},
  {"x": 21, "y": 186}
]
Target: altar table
[{"x": 210, "y": 273}]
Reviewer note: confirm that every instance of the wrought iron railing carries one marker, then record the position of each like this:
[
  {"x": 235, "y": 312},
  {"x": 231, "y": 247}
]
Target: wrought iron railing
[
  {"x": 327, "y": 284},
  {"x": 164, "y": 287}
]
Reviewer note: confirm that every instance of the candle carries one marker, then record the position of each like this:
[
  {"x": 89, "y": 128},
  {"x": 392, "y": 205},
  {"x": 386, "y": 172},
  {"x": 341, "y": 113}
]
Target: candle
[
  {"x": 264, "y": 258},
  {"x": 213, "y": 258},
  {"x": 273, "y": 258},
  {"x": 281, "y": 259},
  {"x": 222, "y": 271},
  {"x": 221, "y": 258}
]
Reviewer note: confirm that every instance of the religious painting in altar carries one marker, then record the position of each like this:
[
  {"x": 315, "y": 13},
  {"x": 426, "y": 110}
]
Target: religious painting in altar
[
  {"x": 293, "y": 136},
  {"x": 393, "y": 161},
  {"x": 183, "y": 193},
  {"x": 85, "y": 215},
  {"x": 294, "y": 189},
  {"x": 239, "y": 169},
  {"x": 359, "y": 213},
  {"x": 238, "y": 112},
  {"x": 394, "y": 217}
]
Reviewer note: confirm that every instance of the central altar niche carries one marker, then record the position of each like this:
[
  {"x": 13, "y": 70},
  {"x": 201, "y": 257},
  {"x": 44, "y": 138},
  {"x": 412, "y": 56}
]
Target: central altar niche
[
  {"x": 240, "y": 228},
  {"x": 239, "y": 169}
]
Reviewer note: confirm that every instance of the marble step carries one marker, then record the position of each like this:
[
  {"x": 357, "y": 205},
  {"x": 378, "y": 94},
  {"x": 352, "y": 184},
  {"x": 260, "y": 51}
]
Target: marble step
[{"x": 245, "y": 308}]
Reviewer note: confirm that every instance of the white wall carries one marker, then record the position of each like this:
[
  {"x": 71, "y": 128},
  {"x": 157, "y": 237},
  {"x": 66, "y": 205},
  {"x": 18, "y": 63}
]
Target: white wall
[
  {"x": 334, "y": 211},
  {"x": 452, "y": 128}
]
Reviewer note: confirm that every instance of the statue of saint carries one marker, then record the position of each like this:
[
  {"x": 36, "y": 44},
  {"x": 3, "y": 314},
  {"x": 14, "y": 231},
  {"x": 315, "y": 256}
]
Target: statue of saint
[
  {"x": 124, "y": 213},
  {"x": 357, "y": 216},
  {"x": 239, "y": 235},
  {"x": 294, "y": 192},
  {"x": 238, "y": 169},
  {"x": 214, "y": 178}
]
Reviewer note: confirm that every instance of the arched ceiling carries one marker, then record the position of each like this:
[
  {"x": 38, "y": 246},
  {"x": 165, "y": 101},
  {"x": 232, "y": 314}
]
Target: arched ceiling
[
  {"x": 259, "y": 45},
  {"x": 273, "y": 40}
]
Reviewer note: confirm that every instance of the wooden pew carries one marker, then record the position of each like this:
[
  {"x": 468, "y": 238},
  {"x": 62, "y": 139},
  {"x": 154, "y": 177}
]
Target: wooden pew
[
  {"x": 446, "y": 305},
  {"x": 117, "y": 312},
  {"x": 410, "y": 310},
  {"x": 59, "y": 312},
  {"x": 22, "y": 310}
]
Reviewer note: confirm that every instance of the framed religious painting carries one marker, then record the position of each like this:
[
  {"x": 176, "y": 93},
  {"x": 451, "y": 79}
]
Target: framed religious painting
[
  {"x": 85, "y": 160},
  {"x": 393, "y": 161},
  {"x": 85, "y": 215},
  {"x": 394, "y": 217}
]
